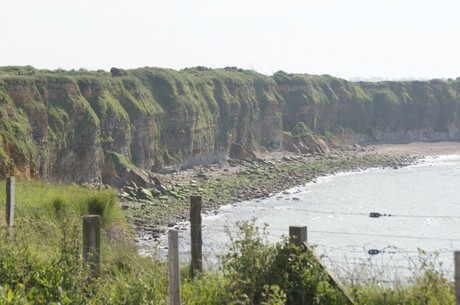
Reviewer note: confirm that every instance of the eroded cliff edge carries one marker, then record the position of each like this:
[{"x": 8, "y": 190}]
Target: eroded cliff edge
[
  {"x": 64, "y": 127},
  {"x": 75, "y": 126},
  {"x": 398, "y": 111}
]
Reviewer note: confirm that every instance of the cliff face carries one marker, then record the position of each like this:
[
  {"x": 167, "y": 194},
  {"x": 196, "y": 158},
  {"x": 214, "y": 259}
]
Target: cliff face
[
  {"x": 82, "y": 127},
  {"x": 78, "y": 126},
  {"x": 49, "y": 130},
  {"x": 383, "y": 111}
]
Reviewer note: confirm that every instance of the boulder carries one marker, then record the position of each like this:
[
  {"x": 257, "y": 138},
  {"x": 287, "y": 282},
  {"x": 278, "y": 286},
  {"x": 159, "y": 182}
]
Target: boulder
[
  {"x": 143, "y": 193},
  {"x": 238, "y": 151},
  {"x": 289, "y": 144},
  {"x": 316, "y": 144},
  {"x": 302, "y": 147}
]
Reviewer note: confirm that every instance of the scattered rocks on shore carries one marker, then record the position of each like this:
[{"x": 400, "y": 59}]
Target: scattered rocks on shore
[{"x": 166, "y": 202}]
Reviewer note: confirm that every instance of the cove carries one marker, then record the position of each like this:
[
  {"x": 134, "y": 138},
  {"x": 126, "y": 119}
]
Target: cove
[{"x": 422, "y": 200}]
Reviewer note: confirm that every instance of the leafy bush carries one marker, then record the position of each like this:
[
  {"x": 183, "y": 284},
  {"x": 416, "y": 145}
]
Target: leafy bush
[
  {"x": 248, "y": 262},
  {"x": 26, "y": 278},
  {"x": 117, "y": 72},
  {"x": 263, "y": 273},
  {"x": 300, "y": 276}
]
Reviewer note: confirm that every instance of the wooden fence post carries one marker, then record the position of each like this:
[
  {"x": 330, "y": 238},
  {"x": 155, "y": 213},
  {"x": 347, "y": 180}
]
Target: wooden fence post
[
  {"x": 195, "y": 232},
  {"x": 298, "y": 237},
  {"x": 174, "y": 270},
  {"x": 457, "y": 276},
  {"x": 10, "y": 201},
  {"x": 92, "y": 243}
]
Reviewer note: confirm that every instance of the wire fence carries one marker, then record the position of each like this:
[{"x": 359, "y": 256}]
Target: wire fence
[
  {"x": 372, "y": 262},
  {"x": 353, "y": 264}
]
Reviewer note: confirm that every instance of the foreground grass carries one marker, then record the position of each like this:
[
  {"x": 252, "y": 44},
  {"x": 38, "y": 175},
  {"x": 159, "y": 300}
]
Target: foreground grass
[{"x": 42, "y": 264}]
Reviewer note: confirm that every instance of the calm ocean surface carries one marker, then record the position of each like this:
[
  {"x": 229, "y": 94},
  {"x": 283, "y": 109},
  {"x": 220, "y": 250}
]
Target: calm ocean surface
[{"x": 424, "y": 201}]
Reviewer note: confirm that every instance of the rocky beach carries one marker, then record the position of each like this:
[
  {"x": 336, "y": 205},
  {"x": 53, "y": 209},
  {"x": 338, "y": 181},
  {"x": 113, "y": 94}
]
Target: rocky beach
[{"x": 167, "y": 202}]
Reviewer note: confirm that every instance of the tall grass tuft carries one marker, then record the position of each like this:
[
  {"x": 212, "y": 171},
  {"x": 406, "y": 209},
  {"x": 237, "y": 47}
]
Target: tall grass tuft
[
  {"x": 60, "y": 206},
  {"x": 103, "y": 204}
]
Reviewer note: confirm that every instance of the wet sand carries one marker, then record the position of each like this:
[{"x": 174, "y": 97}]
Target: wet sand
[{"x": 418, "y": 148}]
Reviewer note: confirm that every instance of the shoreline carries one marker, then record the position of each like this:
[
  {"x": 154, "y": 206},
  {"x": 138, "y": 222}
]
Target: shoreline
[
  {"x": 241, "y": 180},
  {"x": 423, "y": 149}
]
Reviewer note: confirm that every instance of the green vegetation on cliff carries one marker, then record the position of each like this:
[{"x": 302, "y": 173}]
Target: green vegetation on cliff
[
  {"x": 62, "y": 125},
  {"x": 390, "y": 110},
  {"x": 153, "y": 117},
  {"x": 17, "y": 148}
]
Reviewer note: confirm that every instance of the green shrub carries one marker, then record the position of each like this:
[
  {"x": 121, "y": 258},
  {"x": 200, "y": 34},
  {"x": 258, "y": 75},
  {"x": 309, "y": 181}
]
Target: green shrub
[
  {"x": 301, "y": 277},
  {"x": 263, "y": 273},
  {"x": 300, "y": 130},
  {"x": 248, "y": 261},
  {"x": 30, "y": 279}
]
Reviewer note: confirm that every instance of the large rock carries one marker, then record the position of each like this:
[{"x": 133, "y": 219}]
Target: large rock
[
  {"x": 302, "y": 147},
  {"x": 289, "y": 144},
  {"x": 133, "y": 177},
  {"x": 239, "y": 151},
  {"x": 140, "y": 177},
  {"x": 316, "y": 144}
]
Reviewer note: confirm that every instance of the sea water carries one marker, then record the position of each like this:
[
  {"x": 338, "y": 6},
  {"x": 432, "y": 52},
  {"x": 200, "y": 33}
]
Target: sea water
[{"x": 422, "y": 222}]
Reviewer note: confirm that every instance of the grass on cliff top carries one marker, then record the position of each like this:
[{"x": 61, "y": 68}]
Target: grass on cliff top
[
  {"x": 42, "y": 263},
  {"x": 42, "y": 204}
]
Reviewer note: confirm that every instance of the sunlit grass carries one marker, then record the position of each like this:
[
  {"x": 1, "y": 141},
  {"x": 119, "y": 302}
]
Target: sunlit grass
[
  {"x": 42, "y": 262},
  {"x": 38, "y": 199},
  {"x": 44, "y": 212}
]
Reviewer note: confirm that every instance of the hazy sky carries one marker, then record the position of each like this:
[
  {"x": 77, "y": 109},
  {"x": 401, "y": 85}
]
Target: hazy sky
[{"x": 344, "y": 38}]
